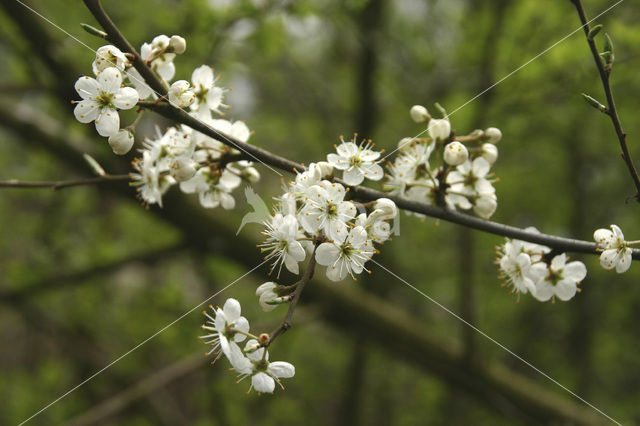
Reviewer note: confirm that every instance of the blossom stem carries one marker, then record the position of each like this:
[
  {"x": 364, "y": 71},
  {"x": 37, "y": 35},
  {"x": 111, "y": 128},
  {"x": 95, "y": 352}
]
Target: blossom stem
[
  {"x": 249, "y": 335},
  {"x": 286, "y": 323}
]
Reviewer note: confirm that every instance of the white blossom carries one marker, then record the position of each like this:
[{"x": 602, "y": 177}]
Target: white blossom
[
  {"x": 346, "y": 255},
  {"x": 209, "y": 96},
  {"x": 326, "y": 210},
  {"x": 455, "y": 153},
  {"x": 561, "y": 279},
  {"x": 227, "y": 325},
  {"x": 357, "y": 161},
  {"x": 100, "y": 98},
  {"x": 518, "y": 268},
  {"x": 281, "y": 244},
  {"x": 108, "y": 56},
  {"x": 160, "y": 60},
  {"x": 615, "y": 251},
  {"x": 180, "y": 94},
  {"x": 264, "y": 373},
  {"x": 149, "y": 179}
]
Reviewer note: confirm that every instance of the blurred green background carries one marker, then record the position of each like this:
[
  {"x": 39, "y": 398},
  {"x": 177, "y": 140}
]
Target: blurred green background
[{"x": 87, "y": 273}]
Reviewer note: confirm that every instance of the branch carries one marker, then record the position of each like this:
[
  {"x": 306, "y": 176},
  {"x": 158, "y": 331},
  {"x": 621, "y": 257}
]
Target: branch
[
  {"x": 605, "y": 73},
  {"x": 55, "y": 185},
  {"x": 28, "y": 291},
  {"x": 115, "y": 36},
  {"x": 364, "y": 193},
  {"x": 267, "y": 158},
  {"x": 286, "y": 323}
]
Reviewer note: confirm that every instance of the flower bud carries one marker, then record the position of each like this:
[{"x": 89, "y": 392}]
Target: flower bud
[
  {"x": 263, "y": 338},
  {"x": 108, "y": 56},
  {"x": 493, "y": 134},
  {"x": 177, "y": 44},
  {"x": 455, "y": 153},
  {"x": 439, "y": 128},
  {"x": 160, "y": 42},
  {"x": 182, "y": 168},
  {"x": 384, "y": 209},
  {"x": 266, "y": 293},
  {"x": 121, "y": 142},
  {"x": 419, "y": 114},
  {"x": 251, "y": 174},
  {"x": 268, "y": 286},
  {"x": 405, "y": 142},
  {"x": 324, "y": 168},
  {"x": 180, "y": 94},
  {"x": 490, "y": 152}
]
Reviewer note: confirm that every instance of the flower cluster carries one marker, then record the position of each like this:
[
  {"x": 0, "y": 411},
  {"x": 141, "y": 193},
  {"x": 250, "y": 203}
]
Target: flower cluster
[
  {"x": 528, "y": 268},
  {"x": 441, "y": 170},
  {"x": 198, "y": 163},
  {"x": 313, "y": 212},
  {"x": 226, "y": 330}
]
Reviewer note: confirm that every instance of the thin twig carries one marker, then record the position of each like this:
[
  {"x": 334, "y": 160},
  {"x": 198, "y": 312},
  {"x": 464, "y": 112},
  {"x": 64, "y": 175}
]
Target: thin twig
[
  {"x": 611, "y": 111},
  {"x": 55, "y": 185},
  {"x": 286, "y": 323},
  {"x": 115, "y": 36}
]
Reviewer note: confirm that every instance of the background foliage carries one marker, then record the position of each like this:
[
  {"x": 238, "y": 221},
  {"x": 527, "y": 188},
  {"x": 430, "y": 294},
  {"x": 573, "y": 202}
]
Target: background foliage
[{"x": 299, "y": 73}]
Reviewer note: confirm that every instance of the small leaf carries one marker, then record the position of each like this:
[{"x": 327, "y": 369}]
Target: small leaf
[
  {"x": 94, "y": 31},
  {"x": 97, "y": 169},
  {"x": 594, "y": 31},
  {"x": 608, "y": 44},
  {"x": 594, "y": 102},
  {"x": 442, "y": 110}
]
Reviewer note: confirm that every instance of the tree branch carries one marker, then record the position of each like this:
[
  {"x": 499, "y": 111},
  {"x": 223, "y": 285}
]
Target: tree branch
[
  {"x": 55, "y": 185},
  {"x": 115, "y": 36},
  {"x": 611, "y": 111},
  {"x": 261, "y": 155},
  {"x": 364, "y": 193}
]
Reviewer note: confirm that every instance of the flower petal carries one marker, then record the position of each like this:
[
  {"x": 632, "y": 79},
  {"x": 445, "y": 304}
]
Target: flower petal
[
  {"x": 110, "y": 79},
  {"x": 202, "y": 77},
  {"x": 353, "y": 176},
  {"x": 86, "y": 111},
  {"x": 108, "y": 121},
  {"x": 624, "y": 261},
  {"x": 373, "y": 172},
  {"x": 87, "y": 87},
  {"x": 231, "y": 309},
  {"x": 126, "y": 98},
  {"x": 281, "y": 369},
  {"x": 262, "y": 382},
  {"x": 566, "y": 289},
  {"x": 327, "y": 254},
  {"x": 575, "y": 271},
  {"x": 347, "y": 149}
]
